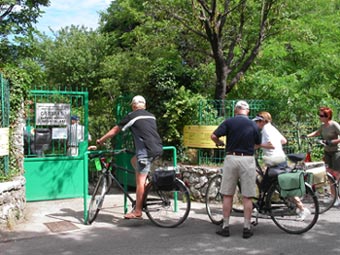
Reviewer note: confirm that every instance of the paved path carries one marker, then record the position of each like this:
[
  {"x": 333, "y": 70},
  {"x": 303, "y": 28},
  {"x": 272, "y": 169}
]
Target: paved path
[{"x": 111, "y": 234}]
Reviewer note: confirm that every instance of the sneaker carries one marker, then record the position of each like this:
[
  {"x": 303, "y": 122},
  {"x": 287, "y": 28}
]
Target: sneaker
[
  {"x": 302, "y": 215},
  {"x": 247, "y": 233},
  {"x": 327, "y": 200},
  {"x": 336, "y": 203},
  {"x": 223, "y": 231}
]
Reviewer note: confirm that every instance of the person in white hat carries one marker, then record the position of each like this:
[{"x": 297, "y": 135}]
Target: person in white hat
[{"x": 148, "y": 145}]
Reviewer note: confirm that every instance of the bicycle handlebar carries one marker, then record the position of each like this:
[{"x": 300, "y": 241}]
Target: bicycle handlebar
[
  {"x": 311, "y": 140},
  {"x": 100, "y": 153}
]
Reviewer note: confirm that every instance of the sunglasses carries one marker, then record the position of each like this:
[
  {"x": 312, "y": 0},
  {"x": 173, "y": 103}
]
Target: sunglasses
[{"x": 322, "y": 116}]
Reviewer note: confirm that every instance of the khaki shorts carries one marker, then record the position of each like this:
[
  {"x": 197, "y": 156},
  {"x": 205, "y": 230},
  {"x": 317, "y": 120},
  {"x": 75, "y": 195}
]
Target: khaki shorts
[
  {"x": 237, "y": 168},
  {"x": 332, "y": 160}
]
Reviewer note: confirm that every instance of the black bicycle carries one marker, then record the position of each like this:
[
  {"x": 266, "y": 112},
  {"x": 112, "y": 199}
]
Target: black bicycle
[
  {"x": 165, "y": 208},
  {"x": 268, "y": 203}
]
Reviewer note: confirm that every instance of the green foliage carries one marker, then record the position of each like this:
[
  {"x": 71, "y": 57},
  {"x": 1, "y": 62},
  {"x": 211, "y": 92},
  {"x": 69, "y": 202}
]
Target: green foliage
[
  {"x": 19, "y": 83},
  {"x": 16, "y": 21},
  {"x": 299, "y": 69},
  {"x": 181, "y": 110},
  {"x": 73, "y": 58}
]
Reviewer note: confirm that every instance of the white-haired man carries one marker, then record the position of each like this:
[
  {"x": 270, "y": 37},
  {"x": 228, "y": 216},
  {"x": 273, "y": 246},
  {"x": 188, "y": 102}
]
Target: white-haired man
[
  {"x": 239, "y": 164},
  {"x": 148, "y": 145}
]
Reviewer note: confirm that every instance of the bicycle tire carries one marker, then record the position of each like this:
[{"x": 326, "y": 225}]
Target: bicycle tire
[
  {"x": 97, "y": 198},
  {"x": 326, "y": 193},
  {"x": 162, "y": 207},
  {"x": 283, "y": 211},
  {"x": 214, "y": 200}
]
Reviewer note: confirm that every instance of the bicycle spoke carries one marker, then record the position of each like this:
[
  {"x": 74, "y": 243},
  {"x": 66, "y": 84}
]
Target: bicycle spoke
[{"x": 167, "y": 208}]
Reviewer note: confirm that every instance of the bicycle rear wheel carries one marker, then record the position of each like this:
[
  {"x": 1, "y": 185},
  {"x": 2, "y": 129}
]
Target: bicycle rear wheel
[
  {"x": 284, "y": 211},
  {"x": 97, "y": 198},
  {"x": 167, "y": 209},
  {"x": 214, "y": 199},
  {"x": 326, "y": 193}
]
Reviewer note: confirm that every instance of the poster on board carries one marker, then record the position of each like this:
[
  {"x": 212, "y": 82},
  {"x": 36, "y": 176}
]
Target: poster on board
[
  {"x": 4, "y": 141},
  {"x": 49, "y": 114}
]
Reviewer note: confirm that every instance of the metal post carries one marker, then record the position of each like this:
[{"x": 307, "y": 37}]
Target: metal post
[{"x": 175, "y": 166}]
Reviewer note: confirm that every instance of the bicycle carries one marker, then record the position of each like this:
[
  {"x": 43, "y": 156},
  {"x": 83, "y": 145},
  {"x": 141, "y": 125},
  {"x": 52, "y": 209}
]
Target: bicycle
[
  {"x": 267, "y": 203},
  {"x": 164, "y": 208},
  {"x": 326, "y": 189}
]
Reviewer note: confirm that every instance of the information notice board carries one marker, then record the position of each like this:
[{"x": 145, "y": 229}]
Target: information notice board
[{"x": 198, "y": 136}]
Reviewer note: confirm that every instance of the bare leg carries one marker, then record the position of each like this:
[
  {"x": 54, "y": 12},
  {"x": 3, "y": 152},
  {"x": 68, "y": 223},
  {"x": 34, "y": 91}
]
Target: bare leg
[
  {"x": 227, "y": 205},
  {"x": 140, "y": 187},
  {"x": 248, "y": 209}
]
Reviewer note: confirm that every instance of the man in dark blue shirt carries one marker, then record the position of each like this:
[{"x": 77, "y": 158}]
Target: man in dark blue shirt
[
  {"x": 147, "y": 142},
  {"x": 239, "y": 164}
]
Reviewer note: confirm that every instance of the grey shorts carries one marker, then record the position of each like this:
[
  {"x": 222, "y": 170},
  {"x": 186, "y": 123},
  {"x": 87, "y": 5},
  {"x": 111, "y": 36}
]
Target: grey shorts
[
  {"x": 237, "y": 168},
  {"x": 332, "y": 159},
  {"x": 144, "y": 165}
]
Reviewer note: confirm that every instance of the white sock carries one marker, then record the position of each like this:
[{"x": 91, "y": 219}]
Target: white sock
[
  {"x": 225, "y": 222},
  {"x": 247, "y": 223}
]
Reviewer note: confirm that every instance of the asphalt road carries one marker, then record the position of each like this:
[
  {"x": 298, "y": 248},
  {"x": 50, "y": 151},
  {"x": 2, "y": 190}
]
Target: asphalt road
[{"x": 111, "y": 234}]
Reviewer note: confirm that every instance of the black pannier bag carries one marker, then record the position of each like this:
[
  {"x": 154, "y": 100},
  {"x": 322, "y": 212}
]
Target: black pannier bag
[{"x": 164, "y": 179}]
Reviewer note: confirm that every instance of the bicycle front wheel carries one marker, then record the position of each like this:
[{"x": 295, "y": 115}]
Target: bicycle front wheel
[
  {"x": 167, "y": 209},
  {"x": 326, "y": 193},
  {"x": 285, "y": 213},
  {"x": 214, "y": 200},
  {"x": 97, "y": 198}
]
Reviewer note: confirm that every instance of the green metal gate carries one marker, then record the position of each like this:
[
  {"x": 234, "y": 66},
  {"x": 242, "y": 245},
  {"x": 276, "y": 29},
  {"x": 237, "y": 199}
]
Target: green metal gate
[
  {"x": 51, "y": 171},
  {"x": 4, "y": 121}
]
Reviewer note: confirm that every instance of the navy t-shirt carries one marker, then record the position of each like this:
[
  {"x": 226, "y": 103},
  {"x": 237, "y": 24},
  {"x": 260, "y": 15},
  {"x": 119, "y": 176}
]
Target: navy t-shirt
[
  {"x": 241, "y": 132},
  {"x": 144, "y": 129}
]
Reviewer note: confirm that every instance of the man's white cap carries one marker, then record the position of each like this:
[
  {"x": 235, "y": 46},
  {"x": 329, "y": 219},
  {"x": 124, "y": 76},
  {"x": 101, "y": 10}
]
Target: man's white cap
[
  {"x": 138, "y": 100},
  {"x": 242, "y": 104}
]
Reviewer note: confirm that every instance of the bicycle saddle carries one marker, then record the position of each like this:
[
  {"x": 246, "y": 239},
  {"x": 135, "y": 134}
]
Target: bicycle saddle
[{"x": 296, "y": 157}]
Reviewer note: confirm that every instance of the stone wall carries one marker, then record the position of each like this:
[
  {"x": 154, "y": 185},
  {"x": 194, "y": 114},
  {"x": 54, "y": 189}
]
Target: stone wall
[
  {"x": 196, "y": 178},
  {"x": 12, "y": 202}
]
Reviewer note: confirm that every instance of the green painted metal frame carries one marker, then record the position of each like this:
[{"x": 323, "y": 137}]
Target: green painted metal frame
[{"x": 49, "y": 178}]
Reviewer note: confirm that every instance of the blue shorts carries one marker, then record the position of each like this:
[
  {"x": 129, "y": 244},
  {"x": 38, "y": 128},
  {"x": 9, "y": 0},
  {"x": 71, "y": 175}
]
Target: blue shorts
[{"x": 144, "y": 165}]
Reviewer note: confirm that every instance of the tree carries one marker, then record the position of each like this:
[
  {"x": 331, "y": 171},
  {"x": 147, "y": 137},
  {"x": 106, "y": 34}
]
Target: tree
[
  {"x": 234, "y": 29},
  {"x": 17, "y": 19},
  {"x": 299, "y": 69}
]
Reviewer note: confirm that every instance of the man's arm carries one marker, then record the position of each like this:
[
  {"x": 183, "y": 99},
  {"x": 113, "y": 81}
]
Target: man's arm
[
  {"x": 114, "y": 131},
  {"x": 217, "y": 140}
]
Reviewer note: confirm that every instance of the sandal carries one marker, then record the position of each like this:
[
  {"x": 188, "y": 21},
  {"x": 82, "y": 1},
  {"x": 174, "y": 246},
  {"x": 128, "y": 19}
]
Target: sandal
[{"x": 133, "y": 216}]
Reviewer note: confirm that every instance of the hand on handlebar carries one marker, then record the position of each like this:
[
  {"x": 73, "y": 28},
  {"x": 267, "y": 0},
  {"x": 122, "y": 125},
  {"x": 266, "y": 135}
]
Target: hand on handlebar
[
  {"x": 99, "y": 142},
  {"x": 327, "y": 142}
]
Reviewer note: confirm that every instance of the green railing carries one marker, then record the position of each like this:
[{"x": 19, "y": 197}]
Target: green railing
[{"x": 4, "y": 115}]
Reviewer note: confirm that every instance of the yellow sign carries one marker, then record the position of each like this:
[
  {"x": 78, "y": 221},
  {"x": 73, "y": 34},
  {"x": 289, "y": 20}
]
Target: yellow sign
[
  {"x": 199, "y": 136},
  {"x": 4, "y": 141}
]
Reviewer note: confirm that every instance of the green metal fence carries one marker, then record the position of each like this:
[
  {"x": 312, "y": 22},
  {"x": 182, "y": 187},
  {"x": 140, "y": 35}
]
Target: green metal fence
[
  {"x": 213, "y": 112},
  {"x": 51, "y": 171},
  {"x": 4, "y": 123},
  {"x": 48, "y": 123}
]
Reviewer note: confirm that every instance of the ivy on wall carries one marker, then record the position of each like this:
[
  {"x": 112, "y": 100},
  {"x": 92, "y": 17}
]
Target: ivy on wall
[{"x": 19, "y": 81}]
